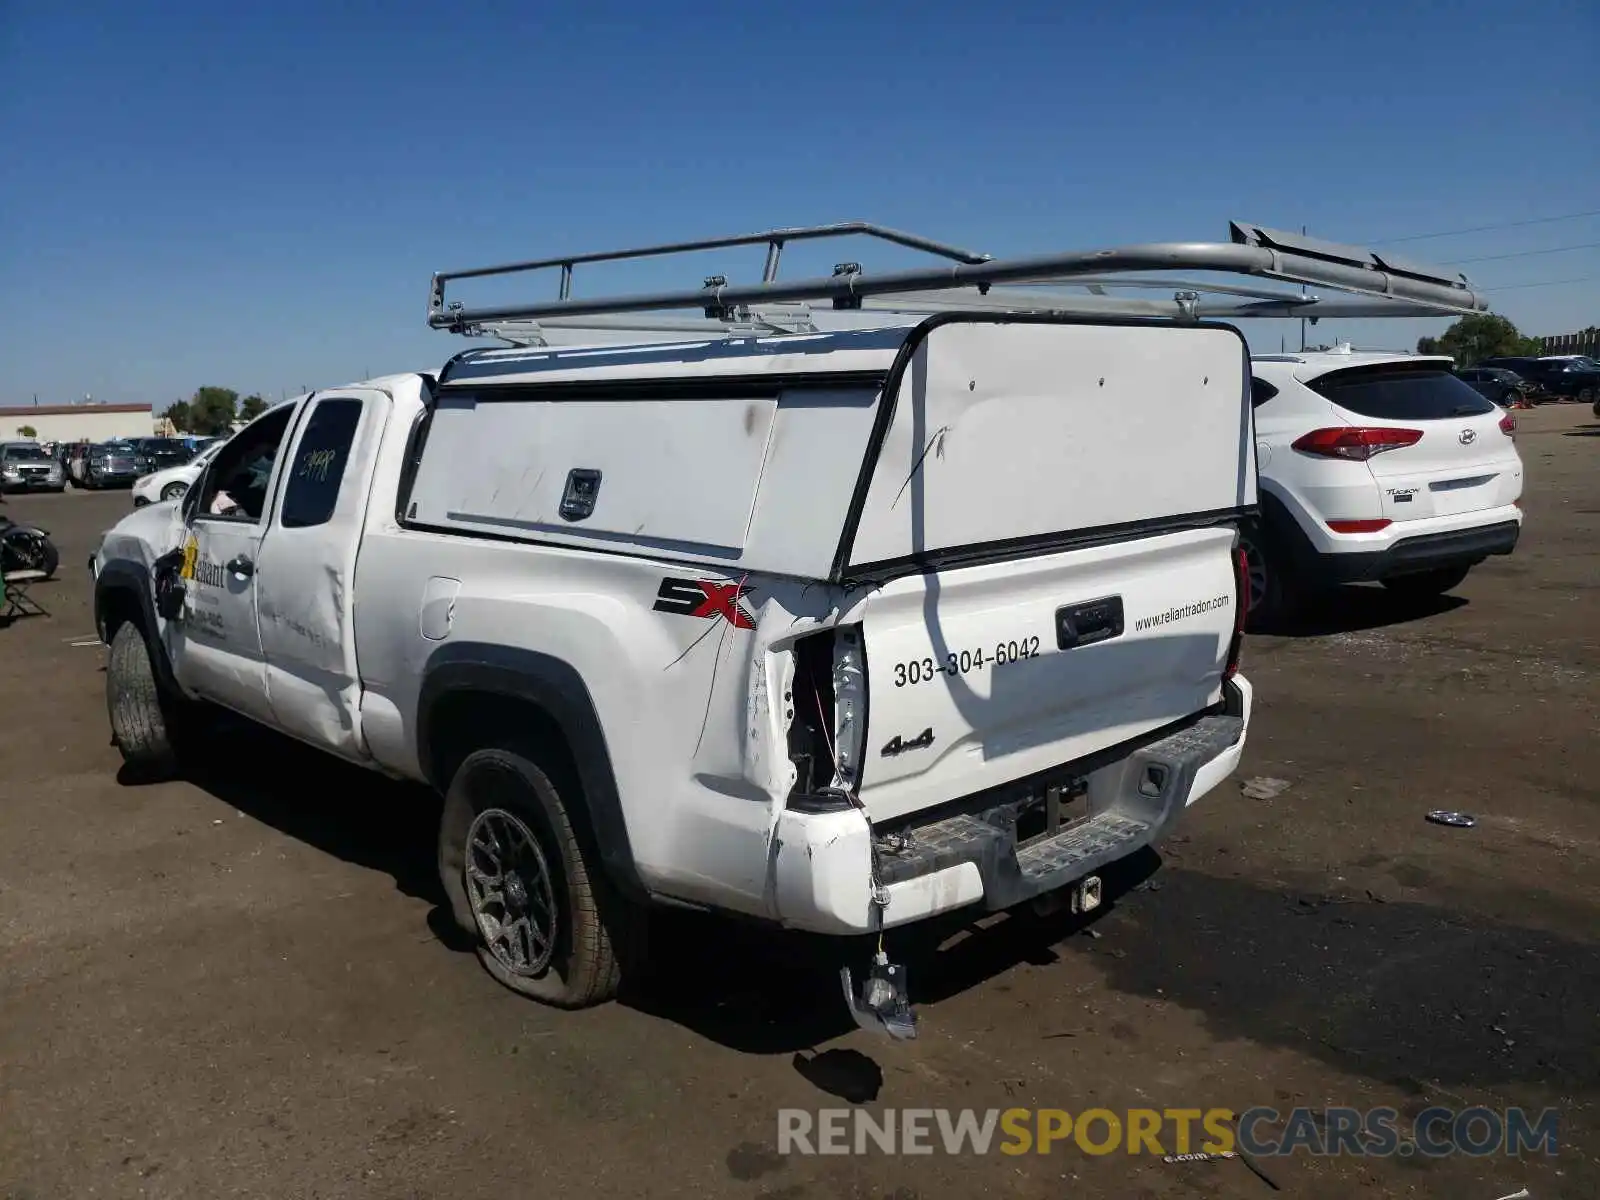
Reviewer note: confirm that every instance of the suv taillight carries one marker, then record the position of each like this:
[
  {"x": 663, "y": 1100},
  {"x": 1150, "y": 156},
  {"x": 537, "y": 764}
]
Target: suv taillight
[
  {"x": 1241, "y": 590},
  {"x": 1354, "y": 442},
  {"x": 1508, "y": 425}
]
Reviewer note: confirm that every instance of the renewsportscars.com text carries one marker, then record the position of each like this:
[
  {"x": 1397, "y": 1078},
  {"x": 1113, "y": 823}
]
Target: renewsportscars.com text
[{"x": 1182, "y": 612}]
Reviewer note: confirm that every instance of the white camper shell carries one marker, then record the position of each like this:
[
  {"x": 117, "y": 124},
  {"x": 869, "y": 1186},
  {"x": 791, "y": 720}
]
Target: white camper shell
[{"x": 839, "y": 628}]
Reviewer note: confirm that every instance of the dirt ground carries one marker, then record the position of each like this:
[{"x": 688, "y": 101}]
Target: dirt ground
[{"x": 242, "y": 987}]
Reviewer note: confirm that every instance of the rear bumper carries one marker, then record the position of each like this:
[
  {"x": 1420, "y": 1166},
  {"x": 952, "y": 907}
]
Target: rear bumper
[
  {"x": 1422, "y": 552},
  {"x": 824, "y": 861}
]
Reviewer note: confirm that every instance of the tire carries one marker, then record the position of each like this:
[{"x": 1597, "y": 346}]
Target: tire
[
  {"x": 49, "y": 558},
  {"x": 1586, "y": 395},
  {"x": 1426, "y": 584},
  {"x": 29, "y": 553},
  {"x": 173, "y": 490},
  {"x": 1274, "y": 595},
  {"x": 141, "y": 724},
  {"x": 1597, "y": 410},
  {"x": 498, "y": 797}
]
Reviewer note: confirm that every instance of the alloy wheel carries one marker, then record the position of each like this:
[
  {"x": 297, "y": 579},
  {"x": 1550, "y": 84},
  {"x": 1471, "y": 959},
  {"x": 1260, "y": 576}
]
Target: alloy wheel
[{"x": 509, "y": 889}]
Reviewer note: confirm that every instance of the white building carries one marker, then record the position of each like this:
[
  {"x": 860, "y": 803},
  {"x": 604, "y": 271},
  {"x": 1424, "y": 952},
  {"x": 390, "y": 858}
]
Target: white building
[{"x": 76, "y": 422}]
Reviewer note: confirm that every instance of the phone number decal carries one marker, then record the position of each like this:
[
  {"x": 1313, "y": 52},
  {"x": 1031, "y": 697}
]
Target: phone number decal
[{"x": 926, "y": 670}]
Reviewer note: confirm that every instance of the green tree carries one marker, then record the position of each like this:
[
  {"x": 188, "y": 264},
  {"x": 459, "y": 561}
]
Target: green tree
[
  {"x": 1482, "y": 335},
  {"x": 27, "y": 431},
  {"x": 212, "y": 410},
  {"x": 180, "y": 416},
  {"x": 251, "y": 407}
]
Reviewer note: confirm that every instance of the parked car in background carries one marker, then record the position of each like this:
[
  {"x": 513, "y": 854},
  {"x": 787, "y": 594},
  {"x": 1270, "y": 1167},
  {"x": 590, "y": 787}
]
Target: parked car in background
[
  {"x": 28, "y": 467},
  {"x": 1504, "y": 387},
  {"x": 161, "y": 453},
  {"x": 1576, "y": 377},
  {"x": 169, "y": 483},
  {"x": 1375, "y": 467},
  {"x": 113, "y": 464}
]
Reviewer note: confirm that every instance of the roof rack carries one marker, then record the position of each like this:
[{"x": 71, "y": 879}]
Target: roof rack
[{"x": 1389, "y": 286}]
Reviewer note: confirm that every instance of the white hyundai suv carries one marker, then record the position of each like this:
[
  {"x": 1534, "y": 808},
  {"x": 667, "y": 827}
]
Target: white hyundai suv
[
  {"x": 172, "y": 482},
  {"x": 1375, "y": 467}
]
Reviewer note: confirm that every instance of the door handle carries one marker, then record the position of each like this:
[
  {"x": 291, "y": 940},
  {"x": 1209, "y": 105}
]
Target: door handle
[
  {"x": 1085, "y": 624},
  {"x": 240, "y": 565}
]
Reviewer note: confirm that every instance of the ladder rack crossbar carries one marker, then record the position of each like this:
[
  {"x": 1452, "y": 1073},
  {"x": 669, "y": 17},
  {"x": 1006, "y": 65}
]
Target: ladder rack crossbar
[
  {"x": 774, "y": 239},
  {"x": 1392, "y": 287}
]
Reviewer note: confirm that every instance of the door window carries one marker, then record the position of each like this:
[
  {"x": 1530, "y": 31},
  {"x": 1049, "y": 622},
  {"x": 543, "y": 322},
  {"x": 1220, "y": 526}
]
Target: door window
[
  {"x": 319, "y": 463},
  {"x": 235, "y": 487}
]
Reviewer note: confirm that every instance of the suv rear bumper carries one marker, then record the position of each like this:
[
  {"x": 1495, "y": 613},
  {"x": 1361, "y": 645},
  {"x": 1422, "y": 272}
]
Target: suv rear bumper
[
  {"x": 1423, "y": 552},
  {"x": 824, "y": 861}
]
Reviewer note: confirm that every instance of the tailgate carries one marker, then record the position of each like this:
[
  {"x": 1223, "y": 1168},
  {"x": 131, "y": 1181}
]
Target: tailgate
[
  {"x": 1451, "y": 456},
  {"x": 1460, "y": 466},
  {"x": 982, "y": 675}
]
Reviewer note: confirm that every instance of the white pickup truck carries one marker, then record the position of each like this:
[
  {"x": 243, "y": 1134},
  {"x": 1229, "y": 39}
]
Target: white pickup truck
[{"x": 838, "y": 630}]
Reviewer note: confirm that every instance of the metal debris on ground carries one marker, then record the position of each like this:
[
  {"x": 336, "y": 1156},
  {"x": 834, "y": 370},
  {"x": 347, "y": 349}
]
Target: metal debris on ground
[
  {"x": 1263, "y": 788},
  {"x": 1445, "y": 816}
]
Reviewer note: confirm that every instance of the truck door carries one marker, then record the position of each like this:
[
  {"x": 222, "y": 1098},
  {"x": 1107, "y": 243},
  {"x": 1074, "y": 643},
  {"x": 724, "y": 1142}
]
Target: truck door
[
  {"x": 308, "y": 559},
  {"x": 216, "y": 648}
]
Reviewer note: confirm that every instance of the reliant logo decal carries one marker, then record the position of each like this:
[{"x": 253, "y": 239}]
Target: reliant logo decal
[
  {"x": 202, "y": 571},
  {"x": 706, "y": 598}
]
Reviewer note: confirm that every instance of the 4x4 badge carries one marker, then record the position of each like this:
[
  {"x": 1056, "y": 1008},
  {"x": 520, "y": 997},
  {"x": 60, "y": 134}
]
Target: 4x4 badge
[{"x": 899, "y": 745}]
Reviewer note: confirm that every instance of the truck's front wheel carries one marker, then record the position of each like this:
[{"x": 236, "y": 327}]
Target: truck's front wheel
[
  {"x": 141, "y": 719},
  {"x": 519, "y": 880}
]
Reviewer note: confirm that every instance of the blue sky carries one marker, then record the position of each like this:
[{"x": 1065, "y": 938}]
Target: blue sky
[{"x": 254, "y": 195}]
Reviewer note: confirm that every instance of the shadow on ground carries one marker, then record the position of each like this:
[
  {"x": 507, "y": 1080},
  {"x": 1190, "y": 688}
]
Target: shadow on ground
[
  {"x": 1359, "y": 607},
  {"x": 1400, "y": 992},
  {"x": 341, "y": 809},
  {"x": 1397, "y": 992}
]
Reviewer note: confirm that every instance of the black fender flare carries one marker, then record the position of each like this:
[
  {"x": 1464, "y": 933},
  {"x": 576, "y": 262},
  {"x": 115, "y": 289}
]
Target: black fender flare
[
  {"x": 1284, "y": 534},
  {"x": 556, "y": 688},
  {"x": 120, "y": 577}
]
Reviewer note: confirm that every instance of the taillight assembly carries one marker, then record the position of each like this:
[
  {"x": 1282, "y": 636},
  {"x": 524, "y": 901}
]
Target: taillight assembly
[
  {"x": 1362, "y": 526},
  {"x": 1241, "y": 588},
  {"x": 1508, "y": 425},
  {"x": 826, "y": 710},
  {"x": 1355, "y": 442}
]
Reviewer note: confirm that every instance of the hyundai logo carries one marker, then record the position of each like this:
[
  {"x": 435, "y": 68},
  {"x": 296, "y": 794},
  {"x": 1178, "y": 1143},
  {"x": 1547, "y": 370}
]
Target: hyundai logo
[{"x": 1466, "y": 437}]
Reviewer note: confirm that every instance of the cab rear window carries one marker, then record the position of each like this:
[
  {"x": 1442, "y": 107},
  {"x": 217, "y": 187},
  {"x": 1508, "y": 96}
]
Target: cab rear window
[{"x": 1398, "y": 392}]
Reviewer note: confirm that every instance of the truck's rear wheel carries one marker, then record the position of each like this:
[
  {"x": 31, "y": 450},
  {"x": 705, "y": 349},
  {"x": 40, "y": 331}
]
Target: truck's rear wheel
[
  {"x": 521, "y": 882},
  {"x": 1273, "y": 594},
  {"x": 141, "y": 719}
]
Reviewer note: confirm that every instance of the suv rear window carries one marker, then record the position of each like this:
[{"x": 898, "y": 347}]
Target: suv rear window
[{"x": 1399, "y": 392}]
